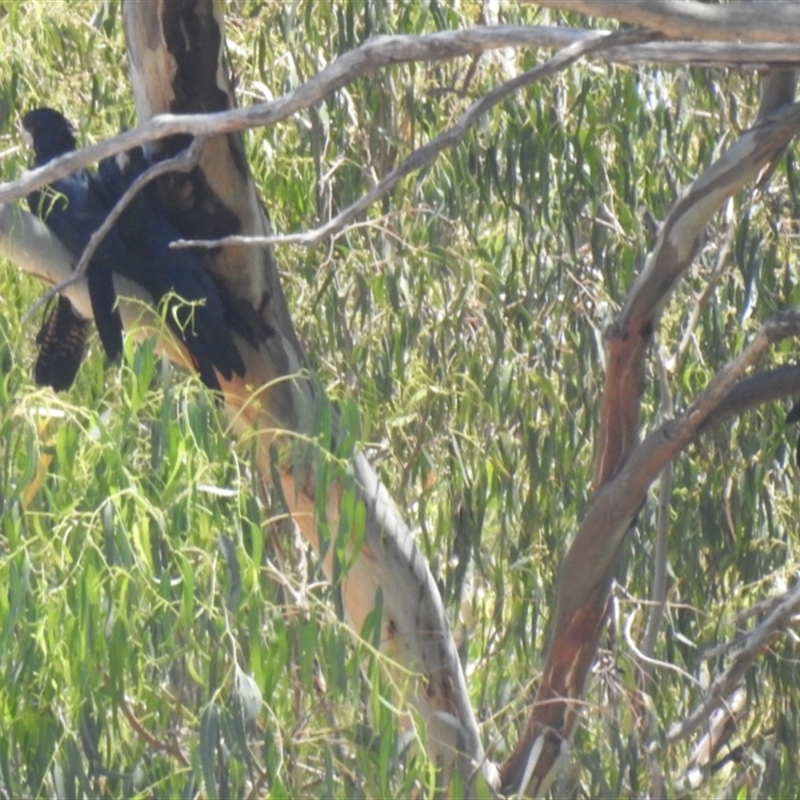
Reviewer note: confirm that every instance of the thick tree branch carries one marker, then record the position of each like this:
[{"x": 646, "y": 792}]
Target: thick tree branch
[
  {"x": 371, "y": 56},
  {"x": 691, "y": 19},
  {"x": 588, "y": 566},
  {"x": 374, "y": 54},
  {"x": 735, "y": 55},
  {"x": 749, "y": 393},
  {"x": 624, "y": 470},
  {"x": 616, "y": 505},
  {"x": 684, "y": 228},
  {"x": 383, "y": 51},
  {"x": 679, "y": 239}
]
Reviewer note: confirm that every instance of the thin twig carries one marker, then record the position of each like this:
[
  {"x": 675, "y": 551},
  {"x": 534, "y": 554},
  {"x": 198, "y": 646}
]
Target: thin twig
[
  {"x": 653, "y": 662},
  {"x": 658, "y": 594},
  {"x": 759, "y": 638},
  {"x": 708, "y": 290},
  {"x": 153, "y": 741}
]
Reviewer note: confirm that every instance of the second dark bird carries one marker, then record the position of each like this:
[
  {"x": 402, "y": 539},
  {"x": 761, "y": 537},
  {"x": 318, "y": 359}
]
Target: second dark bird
[{"x": 194, "y": 304}]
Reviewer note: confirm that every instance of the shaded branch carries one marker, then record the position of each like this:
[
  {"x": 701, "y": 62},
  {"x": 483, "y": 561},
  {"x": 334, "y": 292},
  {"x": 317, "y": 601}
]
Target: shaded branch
[
  {"x": 749, "y": 393},
  {"x": 720, "y": 727}
]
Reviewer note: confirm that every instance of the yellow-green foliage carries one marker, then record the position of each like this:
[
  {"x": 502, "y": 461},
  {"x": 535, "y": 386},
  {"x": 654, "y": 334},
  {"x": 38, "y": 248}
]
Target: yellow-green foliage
[{"x": 464, "y": 315}]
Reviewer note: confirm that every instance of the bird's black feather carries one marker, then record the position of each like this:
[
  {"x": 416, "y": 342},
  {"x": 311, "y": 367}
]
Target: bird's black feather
[
  {"x": 72, "y": 208},
  {"x": 137, "y": 246},
  {"x": 61, "y": 341},
  {"x": 792, "y": 417}
]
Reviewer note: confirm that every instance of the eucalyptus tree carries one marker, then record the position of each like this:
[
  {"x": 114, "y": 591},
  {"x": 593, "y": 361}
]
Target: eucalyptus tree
[{"x": 541, "y": 180}]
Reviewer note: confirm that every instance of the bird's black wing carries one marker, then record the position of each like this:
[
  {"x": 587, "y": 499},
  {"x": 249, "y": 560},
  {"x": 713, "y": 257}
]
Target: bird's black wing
[
  {"x": 72, "y": 211},
  {"x": 136, "y": 247},
  {"x": 61, "y": 341}
]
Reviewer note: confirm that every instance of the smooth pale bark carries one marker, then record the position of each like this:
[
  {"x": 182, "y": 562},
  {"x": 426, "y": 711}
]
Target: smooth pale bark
[{"x": 777, "y": 22}]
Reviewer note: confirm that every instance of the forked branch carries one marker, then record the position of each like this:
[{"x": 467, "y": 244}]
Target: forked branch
[{"x": 624, "y": 469}]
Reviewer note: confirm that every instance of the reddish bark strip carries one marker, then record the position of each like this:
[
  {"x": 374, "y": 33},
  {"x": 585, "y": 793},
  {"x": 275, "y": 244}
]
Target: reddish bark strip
[{"x": 619, "y": 416}]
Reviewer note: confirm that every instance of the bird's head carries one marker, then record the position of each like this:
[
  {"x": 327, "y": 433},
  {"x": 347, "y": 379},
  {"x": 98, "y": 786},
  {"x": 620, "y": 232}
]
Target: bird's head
[{"x": 49, "y": 133}]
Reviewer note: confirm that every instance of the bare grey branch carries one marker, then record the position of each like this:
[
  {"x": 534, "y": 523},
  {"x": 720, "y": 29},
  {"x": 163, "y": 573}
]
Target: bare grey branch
[
  {"x": 773, "y": 626},
  {"x": 449, "y": 138}
]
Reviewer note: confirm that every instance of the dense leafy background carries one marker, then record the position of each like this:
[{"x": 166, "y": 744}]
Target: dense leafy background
[{"x": 464, "y": 316}]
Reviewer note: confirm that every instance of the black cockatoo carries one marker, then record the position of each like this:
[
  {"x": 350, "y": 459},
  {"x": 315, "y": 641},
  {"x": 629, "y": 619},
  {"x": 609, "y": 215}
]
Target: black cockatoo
[
  {"x": 137, "y": 246},
  {"x": 61, "y": 341}
]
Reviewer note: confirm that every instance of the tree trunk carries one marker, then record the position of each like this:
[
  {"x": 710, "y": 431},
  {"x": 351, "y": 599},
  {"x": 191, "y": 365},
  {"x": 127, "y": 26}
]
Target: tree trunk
[{"x": 177, "y": 65}]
